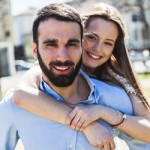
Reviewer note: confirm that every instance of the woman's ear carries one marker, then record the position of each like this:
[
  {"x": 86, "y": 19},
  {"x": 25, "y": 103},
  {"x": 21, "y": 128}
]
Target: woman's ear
[{"x": 34, "y": 50}]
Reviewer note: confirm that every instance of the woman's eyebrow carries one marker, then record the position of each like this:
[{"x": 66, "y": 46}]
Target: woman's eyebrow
[{"x": 90, "y": 33}]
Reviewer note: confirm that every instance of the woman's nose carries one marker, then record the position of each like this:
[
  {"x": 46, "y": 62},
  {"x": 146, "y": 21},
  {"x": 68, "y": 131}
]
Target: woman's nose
[{"x": 97, "y": 46}]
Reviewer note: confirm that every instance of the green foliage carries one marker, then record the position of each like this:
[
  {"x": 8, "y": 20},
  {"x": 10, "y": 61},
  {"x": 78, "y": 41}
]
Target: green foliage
[{"x": 144, "y": 76}]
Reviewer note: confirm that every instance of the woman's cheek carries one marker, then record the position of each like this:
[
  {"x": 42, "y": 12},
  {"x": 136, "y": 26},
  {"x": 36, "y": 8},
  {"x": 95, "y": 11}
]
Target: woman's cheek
[{"x": 84, "y": 44}]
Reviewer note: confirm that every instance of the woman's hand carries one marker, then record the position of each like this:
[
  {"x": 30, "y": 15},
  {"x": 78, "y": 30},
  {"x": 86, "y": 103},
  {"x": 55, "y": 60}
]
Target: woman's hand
[
  {"x": 83, "y": 115},
  {"x": 99, "y": 136}
]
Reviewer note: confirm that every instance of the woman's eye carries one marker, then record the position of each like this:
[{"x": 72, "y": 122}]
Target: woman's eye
[
  {"x": 90, "y": 37},
  {"x": 108, "y": 43}
]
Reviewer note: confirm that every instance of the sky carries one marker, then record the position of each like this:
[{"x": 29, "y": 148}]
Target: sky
[{"x": 19, "y": 6}]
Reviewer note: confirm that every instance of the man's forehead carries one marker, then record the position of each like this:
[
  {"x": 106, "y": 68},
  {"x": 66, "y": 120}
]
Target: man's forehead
[
  {"x": 59, "y": 30},
  {"x": 59, "y": 23}
]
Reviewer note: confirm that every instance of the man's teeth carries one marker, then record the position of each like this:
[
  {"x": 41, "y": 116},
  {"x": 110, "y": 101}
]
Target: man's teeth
[
  {"x": 94, "y": 56},
  {"x": 62, "y": 67}
]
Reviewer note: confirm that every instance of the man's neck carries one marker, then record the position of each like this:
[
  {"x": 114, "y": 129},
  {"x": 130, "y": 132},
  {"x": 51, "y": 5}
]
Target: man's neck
[{"x": 78, "y": 91}]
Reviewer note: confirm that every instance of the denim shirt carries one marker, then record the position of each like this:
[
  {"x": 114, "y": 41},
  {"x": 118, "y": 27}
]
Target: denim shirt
[{"x": 38, "y": 133}]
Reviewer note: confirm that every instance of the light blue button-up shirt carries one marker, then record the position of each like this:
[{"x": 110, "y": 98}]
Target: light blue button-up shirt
[{"x": 38, "y": 133}]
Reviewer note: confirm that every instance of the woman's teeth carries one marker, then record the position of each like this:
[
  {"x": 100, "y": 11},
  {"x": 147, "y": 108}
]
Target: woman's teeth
[{"x": 94, "y": 56}]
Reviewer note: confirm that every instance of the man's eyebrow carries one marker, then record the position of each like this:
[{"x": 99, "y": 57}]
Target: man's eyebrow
[
  {"x": 50, "y": 41},
  {"x": 74, "y": 40}
]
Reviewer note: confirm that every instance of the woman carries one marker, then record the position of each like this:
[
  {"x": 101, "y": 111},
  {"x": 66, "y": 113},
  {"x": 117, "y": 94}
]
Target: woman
[{"x": 105, "y": 58}]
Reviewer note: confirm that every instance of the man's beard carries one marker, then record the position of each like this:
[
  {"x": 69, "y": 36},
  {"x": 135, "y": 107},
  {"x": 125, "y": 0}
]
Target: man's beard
[{"x": 60, "y": 80}]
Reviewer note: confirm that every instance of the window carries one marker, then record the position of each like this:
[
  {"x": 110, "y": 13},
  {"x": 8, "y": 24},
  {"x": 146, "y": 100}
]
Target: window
[{"x": 136, "y": 17}]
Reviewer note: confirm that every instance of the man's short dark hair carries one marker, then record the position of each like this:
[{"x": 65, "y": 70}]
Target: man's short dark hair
[{"x": 62, "y": 12}]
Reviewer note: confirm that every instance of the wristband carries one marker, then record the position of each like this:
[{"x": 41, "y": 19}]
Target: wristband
[{"x": 121, "y": 121}]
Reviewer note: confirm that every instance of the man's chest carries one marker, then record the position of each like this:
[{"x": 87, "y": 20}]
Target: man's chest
[{"x": 39, "y": 133}]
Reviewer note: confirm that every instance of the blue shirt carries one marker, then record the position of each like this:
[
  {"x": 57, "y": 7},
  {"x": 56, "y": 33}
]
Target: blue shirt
[{"x": 38, "y": 133}]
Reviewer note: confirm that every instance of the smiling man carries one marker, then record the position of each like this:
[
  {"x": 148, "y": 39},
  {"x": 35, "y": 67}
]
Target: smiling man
[{"x": 59, "y": 51}]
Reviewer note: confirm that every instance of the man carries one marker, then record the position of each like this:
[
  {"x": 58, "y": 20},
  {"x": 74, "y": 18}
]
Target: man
[{"x": 57, "y": 37}]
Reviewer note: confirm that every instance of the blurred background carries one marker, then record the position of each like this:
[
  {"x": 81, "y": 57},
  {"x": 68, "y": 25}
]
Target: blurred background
[{"x": 16, "y": 18}]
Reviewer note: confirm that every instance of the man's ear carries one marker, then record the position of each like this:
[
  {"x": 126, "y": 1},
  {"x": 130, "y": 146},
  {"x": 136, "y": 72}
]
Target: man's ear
[{"x": 34, "y": 50}]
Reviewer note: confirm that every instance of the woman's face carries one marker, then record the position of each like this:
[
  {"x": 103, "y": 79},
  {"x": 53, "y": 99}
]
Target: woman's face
[{"x": 99, "y": 41}]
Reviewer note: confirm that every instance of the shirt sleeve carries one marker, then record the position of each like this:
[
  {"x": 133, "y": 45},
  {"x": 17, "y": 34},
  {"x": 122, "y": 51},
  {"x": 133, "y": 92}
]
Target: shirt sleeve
[{"x": 8, "y": 133}]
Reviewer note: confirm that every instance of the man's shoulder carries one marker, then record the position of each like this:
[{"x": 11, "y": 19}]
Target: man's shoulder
[
  {"x": 5, "y": 107},
  {"x": 6, "y": 103}
]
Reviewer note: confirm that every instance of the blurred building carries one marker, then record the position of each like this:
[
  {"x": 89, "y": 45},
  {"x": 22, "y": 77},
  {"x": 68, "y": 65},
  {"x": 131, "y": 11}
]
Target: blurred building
[
  {"x": 22, "y": 27},
  {"x": 7, "y": 63},
  {"x": 6, "y": 32},
  {"x": 7, "y": 60},
  {"x": 137, "y": 16}
]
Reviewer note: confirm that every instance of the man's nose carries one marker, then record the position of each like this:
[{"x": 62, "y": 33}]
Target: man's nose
[{"x": 62, "y": 54}]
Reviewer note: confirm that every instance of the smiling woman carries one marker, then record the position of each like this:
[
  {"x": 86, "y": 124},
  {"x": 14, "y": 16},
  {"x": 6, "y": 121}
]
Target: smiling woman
[{"x": 99, "y": 44}]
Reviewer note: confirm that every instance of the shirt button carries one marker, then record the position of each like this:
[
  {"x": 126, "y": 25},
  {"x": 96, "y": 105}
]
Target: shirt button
[{"x": 70, "y": 146}]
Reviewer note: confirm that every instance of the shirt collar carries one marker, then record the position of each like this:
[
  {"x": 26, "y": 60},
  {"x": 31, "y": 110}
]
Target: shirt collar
[{"x": 92, "y": 98}]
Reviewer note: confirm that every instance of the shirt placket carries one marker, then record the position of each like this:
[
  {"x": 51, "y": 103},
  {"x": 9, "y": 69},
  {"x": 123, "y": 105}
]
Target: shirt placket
[{"x": 71, "y": 139}]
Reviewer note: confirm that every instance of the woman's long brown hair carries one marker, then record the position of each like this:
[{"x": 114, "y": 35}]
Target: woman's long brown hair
[{"x": 119, "y": 62}]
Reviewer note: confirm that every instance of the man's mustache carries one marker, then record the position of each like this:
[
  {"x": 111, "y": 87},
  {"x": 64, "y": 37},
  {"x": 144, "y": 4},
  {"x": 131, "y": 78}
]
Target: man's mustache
[{"x": 59, "y": 63}]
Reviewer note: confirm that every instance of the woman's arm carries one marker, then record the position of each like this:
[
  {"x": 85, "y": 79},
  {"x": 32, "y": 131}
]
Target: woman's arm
[
  {"x": 137, "y": 126},
  {"x": 29, "y": 97}
]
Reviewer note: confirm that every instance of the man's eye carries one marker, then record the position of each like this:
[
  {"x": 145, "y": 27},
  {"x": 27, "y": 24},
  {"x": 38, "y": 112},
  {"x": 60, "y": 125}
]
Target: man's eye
[
  {"x": 51, "y": 44},
  {"x": 71, "y": 44}
]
